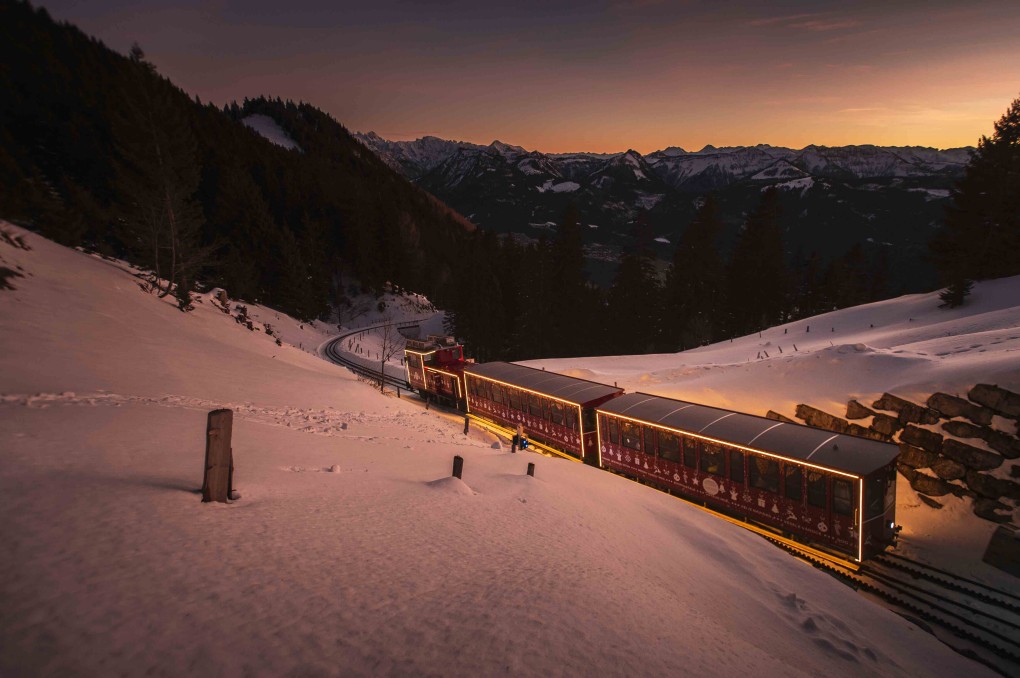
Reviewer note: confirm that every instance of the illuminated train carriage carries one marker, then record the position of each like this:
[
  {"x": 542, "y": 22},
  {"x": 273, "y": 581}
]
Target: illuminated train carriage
[
  {"x": 814, "y": 485},
  {"x": 553, "y": 409},
  {"x": 434, "y": 366}
]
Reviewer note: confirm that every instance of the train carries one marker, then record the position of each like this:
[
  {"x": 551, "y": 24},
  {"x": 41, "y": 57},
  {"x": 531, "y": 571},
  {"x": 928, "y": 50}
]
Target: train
[{"x": 828, "y": 491}]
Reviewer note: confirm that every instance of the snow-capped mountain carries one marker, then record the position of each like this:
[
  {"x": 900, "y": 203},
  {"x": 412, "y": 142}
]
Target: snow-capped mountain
[{"x": 834, "y": 197}]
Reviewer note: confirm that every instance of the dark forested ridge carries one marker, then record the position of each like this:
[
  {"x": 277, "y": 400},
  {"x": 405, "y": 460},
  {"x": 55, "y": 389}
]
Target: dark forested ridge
[{"x": 93, "y": 142}]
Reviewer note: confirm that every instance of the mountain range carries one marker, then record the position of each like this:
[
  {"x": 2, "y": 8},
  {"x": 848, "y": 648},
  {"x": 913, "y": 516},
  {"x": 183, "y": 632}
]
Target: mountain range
[{"x": 889, "y": 197}]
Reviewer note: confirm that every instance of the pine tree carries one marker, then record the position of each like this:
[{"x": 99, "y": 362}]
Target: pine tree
[
  {"x": 568, "y": 313},
  {"x": 954, "y": 295},
  {"x": 693, "y": 287},
  {"x": 981, "y": 235},
  {"x": 757, "y": 276},
  {"x": 635, "y": 299}
]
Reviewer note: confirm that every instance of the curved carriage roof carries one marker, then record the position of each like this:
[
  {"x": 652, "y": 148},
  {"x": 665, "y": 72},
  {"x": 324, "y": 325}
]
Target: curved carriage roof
[
  {"x": 850, "y": 454},
  {"x": 570, "y": 389}
]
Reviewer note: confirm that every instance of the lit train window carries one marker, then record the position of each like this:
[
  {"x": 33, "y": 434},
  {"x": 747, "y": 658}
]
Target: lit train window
[
  {"x": 842, "y": 497},
  {"x": 515, "y": 399},
  {"x": 669, "y": 446},
  {"x": 816, "y": 489},
  {"x": 690, "y": 453},
  {"x": 737, "y": 466},
  {"x": 557, "y": 413},
  {"x": 631, "y": 435},
  {"x": 614, "y": 431},
  {"x": 535, "y": 405},
  {"x": 764, "y": 474},
  {"x": 499, "y": 394},
  {"x": 794, "y": 477},
  {"x": 712, "y": 459},
  {"x": 874, "y": 493},
  {"x": 570, "y": 418},
  {"x": 649, "y": 435}
]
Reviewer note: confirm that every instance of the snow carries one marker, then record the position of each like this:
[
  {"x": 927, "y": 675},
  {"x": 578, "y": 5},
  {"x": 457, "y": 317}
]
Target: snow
[
  {"x": 664, "y": 241},
  {"x": 647, "y": 201},
  {"x": 352, "y": 551},
  {"x": 794, "y": 185},
  {"x": 931, "y": 193},
  {"x": 270, "y": 130},
  {"x": 562, "y": 187}
]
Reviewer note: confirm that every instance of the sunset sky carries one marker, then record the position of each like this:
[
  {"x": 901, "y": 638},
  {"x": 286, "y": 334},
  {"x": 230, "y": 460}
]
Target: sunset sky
[{"x": 595, "y": 75}]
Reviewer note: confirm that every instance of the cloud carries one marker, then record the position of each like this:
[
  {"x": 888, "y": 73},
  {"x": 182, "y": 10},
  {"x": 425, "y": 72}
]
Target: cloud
[
  {"x": 822, "y": 25},
  {"x": 815, "y": 22}
]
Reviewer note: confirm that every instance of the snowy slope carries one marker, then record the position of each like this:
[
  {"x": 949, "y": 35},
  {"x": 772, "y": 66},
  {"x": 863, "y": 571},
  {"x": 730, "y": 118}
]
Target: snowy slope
[
  {"x": 271, "y": 130},
  {"x": 906, "y": 345},
  {"x": 351, "y": 552}
]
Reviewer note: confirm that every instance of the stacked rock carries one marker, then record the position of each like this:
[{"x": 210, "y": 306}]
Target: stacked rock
[{"x": 937, "y": 464}]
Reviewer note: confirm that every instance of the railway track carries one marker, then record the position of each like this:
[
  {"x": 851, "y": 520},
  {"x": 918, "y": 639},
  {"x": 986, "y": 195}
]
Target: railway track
[
  {"x": 976, "y": 620},
  {"x": 331, "y": 351}
]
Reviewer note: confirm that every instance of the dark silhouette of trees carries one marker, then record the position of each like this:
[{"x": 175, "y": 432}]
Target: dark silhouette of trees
[
  {"x": 159, "y": 178},
  {"x": 981, "y": 235},
  {"x": 635, "y": 298},
  {"x": 757, "y": 275},
  {"x": 694, "y": 283}
]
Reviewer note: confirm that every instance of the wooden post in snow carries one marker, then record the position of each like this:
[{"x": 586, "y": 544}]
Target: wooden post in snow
[
  {"x": 458, "y": 466},
  {"x": 219, "y": 462}
]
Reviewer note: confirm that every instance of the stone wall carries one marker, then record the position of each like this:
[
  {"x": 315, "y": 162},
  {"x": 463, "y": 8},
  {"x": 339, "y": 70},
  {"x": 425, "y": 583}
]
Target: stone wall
[{"x": 933, "y": 455}]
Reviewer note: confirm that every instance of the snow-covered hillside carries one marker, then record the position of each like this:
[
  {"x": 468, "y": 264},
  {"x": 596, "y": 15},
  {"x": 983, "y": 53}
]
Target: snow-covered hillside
[
  {"x": 908, "y": 345},
  {"x": 271, "y": 130},
  {"x": 351, "y": 551}
]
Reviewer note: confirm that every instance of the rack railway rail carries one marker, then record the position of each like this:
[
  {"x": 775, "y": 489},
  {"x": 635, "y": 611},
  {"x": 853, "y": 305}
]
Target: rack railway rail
[
  {"x": 981, "y": 624},
  {"x": 331, "y": 351}
]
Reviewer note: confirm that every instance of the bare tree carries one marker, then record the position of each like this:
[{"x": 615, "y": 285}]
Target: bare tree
[{"x": 392, "y": 344}]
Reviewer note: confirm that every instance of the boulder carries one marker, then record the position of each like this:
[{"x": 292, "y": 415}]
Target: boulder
[
  {"x": 865, "y": 432},
  {"x": 906, "y": 471},
  {"x": 933, "y": 487},
  {"x": 921, "y": 437},
  {"x": 854, "y": 410},
  {"x": 915, "y": 457},
  {"x": 1006, "y": 445},
  {"x": 952, "y": 406},
  {"x": 818, "y": 419},
  {"x": 961, "y": 491},
  {"x": 929, "y": 501},
  {"x": 885, "y": 424},
  {"x": 992, "y": 510},
  {"x": 908, "y": 412},
  {"x": 947, "y": 469},
  {"x": 970, "y": 456},
  {"x": 779, "y": 417},
  {"x": 999, "y": 400},
  {"x": 992, "y": 487},
  {"x": 1014, "y": 471},
  {"x": 962, "y": 429}
]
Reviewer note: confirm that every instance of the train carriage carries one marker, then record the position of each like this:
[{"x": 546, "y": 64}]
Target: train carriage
[
  {"x": 836, "y": 491},
  {"x": 554, "y": 409}
]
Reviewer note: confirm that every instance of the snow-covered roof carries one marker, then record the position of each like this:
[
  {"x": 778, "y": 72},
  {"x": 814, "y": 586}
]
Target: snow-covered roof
[
  {"x": 850, "y": 454},
  {"x": 570, "y": 389}
]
